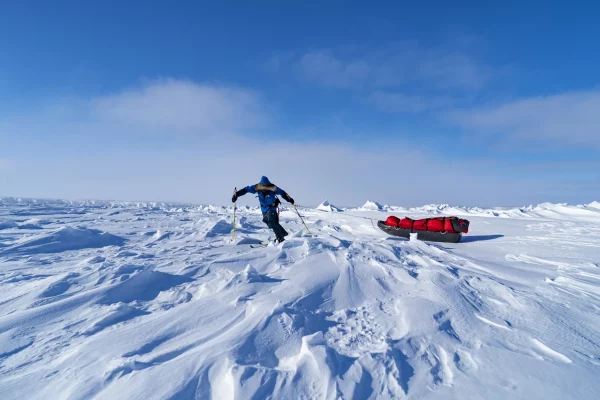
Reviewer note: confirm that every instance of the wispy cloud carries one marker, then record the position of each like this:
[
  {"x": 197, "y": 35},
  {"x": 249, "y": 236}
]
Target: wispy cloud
[
  {"x": 324, "y": 68},
  {"x": 183, "y": 105},
  {"x": 568, "y": 119},
  {"x": 394, "y": 102},
  {"x": 130, "y": 164},
  {"x": 6, "y": 165},
  {"x": 404, "y": 64},
  {"x": 405, "y": 77}
]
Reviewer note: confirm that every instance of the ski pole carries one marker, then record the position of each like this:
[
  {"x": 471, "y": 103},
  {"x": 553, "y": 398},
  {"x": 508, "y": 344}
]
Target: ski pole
[
  {"x": 234, "y": 208},
  {"x": 301, "y": 219}
]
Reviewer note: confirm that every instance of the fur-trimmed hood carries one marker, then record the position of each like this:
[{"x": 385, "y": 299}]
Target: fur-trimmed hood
[
  {"x": 265, "y": 185},
  {"x": 260, "y": 187}
]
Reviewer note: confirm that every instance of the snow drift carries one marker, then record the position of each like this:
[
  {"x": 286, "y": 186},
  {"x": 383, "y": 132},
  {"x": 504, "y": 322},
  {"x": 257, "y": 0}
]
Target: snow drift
[
  {"x": 177, "y": 311},
  {"x": 63, "y": 239},
  {"x": 328, "y": 207},
  {"x": 372, "y": 206}
]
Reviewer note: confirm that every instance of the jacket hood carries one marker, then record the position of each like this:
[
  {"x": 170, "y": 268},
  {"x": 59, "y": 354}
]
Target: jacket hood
[{"x": 265, "y": 181}]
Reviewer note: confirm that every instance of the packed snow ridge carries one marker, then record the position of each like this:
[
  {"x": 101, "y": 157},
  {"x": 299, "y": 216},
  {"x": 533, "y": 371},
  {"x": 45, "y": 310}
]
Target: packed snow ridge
[
  {"x": 327, "y": 206},
  {"x": 110, "y": 300},
  {"x": 371, "y": 205},
  {"x": 62, "y": 239}
]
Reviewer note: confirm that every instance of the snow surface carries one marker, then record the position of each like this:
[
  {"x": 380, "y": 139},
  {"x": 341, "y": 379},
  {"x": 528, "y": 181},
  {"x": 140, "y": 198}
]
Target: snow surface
[
  {"x": 110, "y": 300},
  {"x": 372, "y": 206},
  {"x": 327, "y": 206}
]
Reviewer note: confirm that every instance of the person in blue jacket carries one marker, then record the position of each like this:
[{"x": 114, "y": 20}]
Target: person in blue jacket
[{"x": 267, "y": 196}]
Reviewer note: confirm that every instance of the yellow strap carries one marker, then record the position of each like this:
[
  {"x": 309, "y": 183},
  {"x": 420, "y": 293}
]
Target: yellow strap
[{"x": 301, "y": 219}]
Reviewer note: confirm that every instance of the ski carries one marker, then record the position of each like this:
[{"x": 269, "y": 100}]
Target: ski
[
  {"x": 258, "y": 246},
  {"x": 261, "y": 244},
  {"x": 265, "y": 244}
]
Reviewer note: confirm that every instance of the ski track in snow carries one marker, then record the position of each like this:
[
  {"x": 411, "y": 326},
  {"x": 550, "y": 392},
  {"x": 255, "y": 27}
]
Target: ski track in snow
[{"x": 109, "y": 300}]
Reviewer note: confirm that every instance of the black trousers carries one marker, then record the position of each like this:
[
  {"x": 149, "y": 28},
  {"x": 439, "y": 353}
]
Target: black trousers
[{"x": 272, "y": 220}]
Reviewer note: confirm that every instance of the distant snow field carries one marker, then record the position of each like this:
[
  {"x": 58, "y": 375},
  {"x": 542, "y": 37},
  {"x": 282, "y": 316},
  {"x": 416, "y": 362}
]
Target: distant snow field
[{"x": 107, "y": 300}]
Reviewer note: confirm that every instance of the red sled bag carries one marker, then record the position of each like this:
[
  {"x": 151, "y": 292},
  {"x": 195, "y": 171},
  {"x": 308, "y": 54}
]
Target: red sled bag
[
  {"x": 447, "y": 224},
  {"x": 420, "y": 225},
  {"x": 392, "y": 221},
  {"x": 439, "y": 224},
  {"x": 436, "y": 225},
  {"x": 460, "y": 225},
  {"x": 406, "y": 223},
  {"x": 440, "y": 229}
]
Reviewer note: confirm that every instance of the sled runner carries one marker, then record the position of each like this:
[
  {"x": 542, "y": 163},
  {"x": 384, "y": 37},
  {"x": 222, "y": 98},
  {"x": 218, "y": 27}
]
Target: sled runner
[{"x": 441, "y": 229}]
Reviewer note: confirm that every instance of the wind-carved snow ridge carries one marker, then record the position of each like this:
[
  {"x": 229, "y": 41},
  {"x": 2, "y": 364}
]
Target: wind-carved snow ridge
[
  {"x": 8, "y": 225},
  {"x": 118, "y": 301},
  {"x": 62, "y": 239},
  {"x": 328, "y": 207},
  {"x": 583, "y": 213},
  {"x": 372, "y": 205}
]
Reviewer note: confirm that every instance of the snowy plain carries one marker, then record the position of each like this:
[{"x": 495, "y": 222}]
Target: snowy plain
[{"x": 117, "y": 300}]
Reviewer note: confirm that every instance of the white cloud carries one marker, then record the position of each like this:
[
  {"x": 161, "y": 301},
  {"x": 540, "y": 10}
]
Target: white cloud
[
  {"x": 453, "y": 70},
  {"x": 311, "y": 172},
  {"x": 6, "y": 165},
  {"x": 394, "y": 102},
  {"x": 562, "y": 119},
  {"x": 326, "y": 69},
  {"x": 99, "y": 148},
  {"x": 403, "y": 64},
  {"x": 279, "y": 60},
  {"x": 183, "y": 105}
]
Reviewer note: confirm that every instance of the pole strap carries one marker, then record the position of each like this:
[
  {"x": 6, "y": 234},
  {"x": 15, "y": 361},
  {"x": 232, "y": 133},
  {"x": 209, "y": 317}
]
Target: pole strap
[{"x": 301, "y": 219}]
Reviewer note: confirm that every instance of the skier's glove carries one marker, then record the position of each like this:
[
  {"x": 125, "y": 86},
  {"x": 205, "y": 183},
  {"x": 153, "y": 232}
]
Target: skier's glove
[{"x": 288, "y": 198}]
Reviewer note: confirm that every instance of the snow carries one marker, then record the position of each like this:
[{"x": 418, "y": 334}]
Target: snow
[
  {"x": 327, "y": 206},
  {"x": 371, "y": 205},
  {"x": 62, "y": 239},
  {"x": 8, "y": 225},
  {"x": 120, "y": 300}
]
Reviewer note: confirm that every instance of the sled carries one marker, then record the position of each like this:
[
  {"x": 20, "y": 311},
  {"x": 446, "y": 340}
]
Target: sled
[{"x": 442, "y": 229}]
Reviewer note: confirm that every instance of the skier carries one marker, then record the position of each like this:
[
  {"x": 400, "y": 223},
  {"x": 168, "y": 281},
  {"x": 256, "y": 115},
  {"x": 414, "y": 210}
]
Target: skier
[{"x": 267, "y": 196}]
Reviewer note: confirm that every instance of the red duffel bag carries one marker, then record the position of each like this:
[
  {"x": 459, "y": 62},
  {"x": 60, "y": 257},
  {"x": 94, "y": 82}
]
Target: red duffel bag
[
  {"x": 420, "y": 225},
  {"x": 406, "y": 223},
  {"x": 392, "y": 221},
  {"x": 439, "y": 224},
  {"x": 436, "y": 225},
  {"x": 448, "y": 225}
]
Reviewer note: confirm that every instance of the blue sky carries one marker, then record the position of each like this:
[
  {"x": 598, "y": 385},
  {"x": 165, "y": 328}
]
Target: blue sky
[{"x": 401, "y": 103}]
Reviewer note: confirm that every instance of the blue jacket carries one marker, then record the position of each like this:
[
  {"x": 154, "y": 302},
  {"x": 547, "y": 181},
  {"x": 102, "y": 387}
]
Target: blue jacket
[{"x": 266, "y": 193}]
